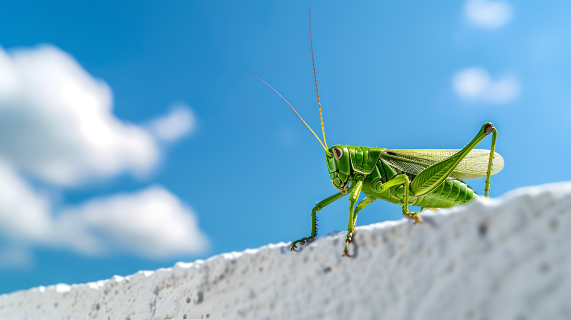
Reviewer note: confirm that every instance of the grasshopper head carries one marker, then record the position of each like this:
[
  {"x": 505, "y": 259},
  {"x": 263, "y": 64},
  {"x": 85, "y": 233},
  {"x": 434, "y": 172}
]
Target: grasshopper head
[{"x": 339, "y": 166}]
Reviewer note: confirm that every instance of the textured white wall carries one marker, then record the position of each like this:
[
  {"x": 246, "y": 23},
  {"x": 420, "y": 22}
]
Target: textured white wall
[{"x": 507, "y": 259}]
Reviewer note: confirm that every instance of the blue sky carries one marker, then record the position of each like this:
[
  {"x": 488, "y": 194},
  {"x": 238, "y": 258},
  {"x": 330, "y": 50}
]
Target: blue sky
[{"x": 130, "y": 137}]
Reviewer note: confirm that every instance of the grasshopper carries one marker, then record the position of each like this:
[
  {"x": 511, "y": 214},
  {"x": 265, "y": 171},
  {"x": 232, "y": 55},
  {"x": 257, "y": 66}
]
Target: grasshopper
[{"x": 429, "y": 178}]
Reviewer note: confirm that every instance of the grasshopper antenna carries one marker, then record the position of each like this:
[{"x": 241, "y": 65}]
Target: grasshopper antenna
[
  {"x": 326, "y": 151},
  {"x": 315, "y": 76}
]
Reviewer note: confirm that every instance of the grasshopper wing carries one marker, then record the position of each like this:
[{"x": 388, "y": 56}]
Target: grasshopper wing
[{"x": 473, "y": 166}]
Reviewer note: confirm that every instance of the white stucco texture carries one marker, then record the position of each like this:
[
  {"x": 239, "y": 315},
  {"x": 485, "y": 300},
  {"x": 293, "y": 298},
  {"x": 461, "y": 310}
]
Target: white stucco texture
[{"x": 505, "y": 259}]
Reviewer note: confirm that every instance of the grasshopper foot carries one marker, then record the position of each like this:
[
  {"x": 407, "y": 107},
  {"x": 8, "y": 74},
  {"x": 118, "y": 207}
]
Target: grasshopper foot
[
  {"x": 301, "y": 242},
  {"x": 413, "y": 216},
  {"x": 346, "y": 251}
]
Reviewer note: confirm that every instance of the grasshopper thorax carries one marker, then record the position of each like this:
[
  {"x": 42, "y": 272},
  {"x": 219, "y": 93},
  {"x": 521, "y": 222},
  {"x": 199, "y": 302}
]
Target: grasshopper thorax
[{"x": 346, "y": 163}]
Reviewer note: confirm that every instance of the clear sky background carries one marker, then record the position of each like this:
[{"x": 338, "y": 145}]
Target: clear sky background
[{"x": 131, "y": 139}]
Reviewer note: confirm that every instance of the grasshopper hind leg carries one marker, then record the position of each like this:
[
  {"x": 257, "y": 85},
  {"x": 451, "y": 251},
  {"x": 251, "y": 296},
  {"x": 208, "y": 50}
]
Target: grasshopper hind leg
[{"x": 433, "y": 176}]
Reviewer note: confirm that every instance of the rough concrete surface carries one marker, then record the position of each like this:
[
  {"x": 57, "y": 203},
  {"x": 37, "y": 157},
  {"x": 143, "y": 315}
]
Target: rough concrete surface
[{"x": 505, "y": 258}]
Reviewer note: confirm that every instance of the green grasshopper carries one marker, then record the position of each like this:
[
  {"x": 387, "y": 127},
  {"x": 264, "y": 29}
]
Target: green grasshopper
[{"x": 429, "y": 178}]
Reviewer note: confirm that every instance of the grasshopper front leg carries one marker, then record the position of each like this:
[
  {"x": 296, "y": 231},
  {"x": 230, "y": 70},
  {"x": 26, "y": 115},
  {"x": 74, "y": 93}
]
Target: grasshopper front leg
[
  {"x": 320, "y": 205},
  {"x": 352, "y": 214},
  {"x": 365, "y": 202}
]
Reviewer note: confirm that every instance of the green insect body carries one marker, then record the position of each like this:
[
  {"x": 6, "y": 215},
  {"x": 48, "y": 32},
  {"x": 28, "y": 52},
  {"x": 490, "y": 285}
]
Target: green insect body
[
  {"x": 429, "y": 178},
  {"x": 373, "y": 167}
]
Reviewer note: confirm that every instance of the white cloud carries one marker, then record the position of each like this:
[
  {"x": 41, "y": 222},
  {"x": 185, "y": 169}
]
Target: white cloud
[
  {"x": 475, "y": 84},
  {"x": 56, "y": 121},
  {"x": 152, "y": 223},
  {"x": 179, "y": 122},
  {"x": 57, "y": 125},
  {"x": 488, "y": 14},
  {"x": 24, "y": 214}
]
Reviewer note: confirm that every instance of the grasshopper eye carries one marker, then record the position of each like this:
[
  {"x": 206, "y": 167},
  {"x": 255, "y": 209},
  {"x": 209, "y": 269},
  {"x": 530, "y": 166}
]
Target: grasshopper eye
[{"x": 337, "y": 153}]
